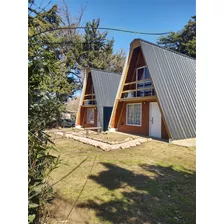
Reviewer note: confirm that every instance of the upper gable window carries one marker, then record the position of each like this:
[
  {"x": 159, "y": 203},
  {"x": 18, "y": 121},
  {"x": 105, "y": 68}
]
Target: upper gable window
[{"x": 142, "y": 73}]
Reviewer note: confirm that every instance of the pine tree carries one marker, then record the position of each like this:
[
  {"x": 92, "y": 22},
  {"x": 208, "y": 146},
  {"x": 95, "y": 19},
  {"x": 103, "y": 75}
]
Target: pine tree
[{"x": 183, "y": 41}]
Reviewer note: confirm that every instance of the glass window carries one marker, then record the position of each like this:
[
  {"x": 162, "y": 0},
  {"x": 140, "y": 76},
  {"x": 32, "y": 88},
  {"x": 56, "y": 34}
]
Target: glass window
[
  {"x": 90, "y": 115},
  {"x": 142, "y": 74},
  {"x": 134, "y": 113},
  {"x": 147, "y": 76}
]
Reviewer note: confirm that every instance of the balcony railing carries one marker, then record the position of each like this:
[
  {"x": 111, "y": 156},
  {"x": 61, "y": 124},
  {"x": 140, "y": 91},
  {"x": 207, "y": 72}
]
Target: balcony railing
[
  {"x": 134, "y": 82},
  {"x": 90, "y": 95},
  {"x": 140, "y": 88},
  {"x": 89, "y": 102},
  {"x": 89, "y": 99}
]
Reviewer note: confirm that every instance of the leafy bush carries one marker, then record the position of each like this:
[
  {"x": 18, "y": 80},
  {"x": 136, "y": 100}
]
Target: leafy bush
[{"x": 40, "y": 164}]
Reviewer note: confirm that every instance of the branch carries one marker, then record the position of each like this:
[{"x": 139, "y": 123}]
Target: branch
[
  {"x": 67, "y": 16},
  {"x": 81, "y": 15},
  {"x": 33, "y": 10},
  {"x": 45, "y": 6}
]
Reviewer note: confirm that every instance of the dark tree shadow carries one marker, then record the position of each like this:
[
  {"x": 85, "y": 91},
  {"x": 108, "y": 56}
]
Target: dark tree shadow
[{"x": 166, "y": 196}]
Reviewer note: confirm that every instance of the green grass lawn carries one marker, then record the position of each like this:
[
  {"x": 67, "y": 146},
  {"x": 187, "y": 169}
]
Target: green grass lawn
[{"x": 150, "y": 183}]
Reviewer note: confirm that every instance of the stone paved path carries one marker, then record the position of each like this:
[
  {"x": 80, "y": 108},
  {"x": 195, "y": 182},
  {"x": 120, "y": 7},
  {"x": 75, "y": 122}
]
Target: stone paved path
[{"x": 102, "y": 145}]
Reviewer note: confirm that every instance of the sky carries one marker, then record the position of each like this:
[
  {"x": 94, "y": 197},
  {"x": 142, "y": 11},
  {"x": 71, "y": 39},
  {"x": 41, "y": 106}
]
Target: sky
[
  {"x": 153, "y": 16},
  {"x": 137, "y": 15}
]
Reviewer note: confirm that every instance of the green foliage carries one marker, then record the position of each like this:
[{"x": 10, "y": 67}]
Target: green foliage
[
  {"x": 40, "y": 164},
  {"x": 93, "y": 50},
  {"x": 48, "y": 89},
  {"x": 116, "y": 61},
  {"x": 54, "y": 69},
  {"x": 98, "y": 50},
  {"x": 183, "y": 41},
  {"x": 49, "y": 85}
]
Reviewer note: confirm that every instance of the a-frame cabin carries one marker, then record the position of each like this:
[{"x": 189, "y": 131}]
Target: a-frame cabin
[
  {"x": 157, "y": 93},
  {"x": 97, "y": 98}
]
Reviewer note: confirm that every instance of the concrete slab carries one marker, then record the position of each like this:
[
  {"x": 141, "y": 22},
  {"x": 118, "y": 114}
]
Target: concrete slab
[{"x": 185, "y": 142}]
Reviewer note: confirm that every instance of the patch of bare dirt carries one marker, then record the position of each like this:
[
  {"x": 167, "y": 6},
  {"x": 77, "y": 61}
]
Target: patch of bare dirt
[{"x": 59, "y": 210}]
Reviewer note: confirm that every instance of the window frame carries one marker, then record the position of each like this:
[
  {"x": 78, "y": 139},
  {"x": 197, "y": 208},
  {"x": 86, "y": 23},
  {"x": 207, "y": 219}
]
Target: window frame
[
  {"x": 136, "y": 85},
  {"x": 140, "y": 114},
  {"x": 87, "y": 120}
]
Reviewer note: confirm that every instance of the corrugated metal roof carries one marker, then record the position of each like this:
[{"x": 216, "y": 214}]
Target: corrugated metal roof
[
  {"x": 174, "y": 77},
  {"x": 105, "y": 87}
]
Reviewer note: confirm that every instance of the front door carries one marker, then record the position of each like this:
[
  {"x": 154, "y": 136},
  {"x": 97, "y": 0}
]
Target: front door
[
  {"x": 154, "y": 120},
  {"x": 106, "y": 117}
]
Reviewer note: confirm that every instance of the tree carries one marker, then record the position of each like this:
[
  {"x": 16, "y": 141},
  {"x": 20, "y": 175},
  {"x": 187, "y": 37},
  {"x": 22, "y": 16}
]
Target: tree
[
  {"x": 183, "y": 41},
  {"x": 95, "y": 50},
  {"x": 90, "y": 50},
  {"x": 55, "y": 60},
  {"x": 116, "y": 61},
  {"x": 49, "y": 87}
]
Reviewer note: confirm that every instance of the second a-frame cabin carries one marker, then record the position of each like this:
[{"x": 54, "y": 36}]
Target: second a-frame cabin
[
  {"x": 157, "y": 93},
  {"x": 97, "y": 98}
]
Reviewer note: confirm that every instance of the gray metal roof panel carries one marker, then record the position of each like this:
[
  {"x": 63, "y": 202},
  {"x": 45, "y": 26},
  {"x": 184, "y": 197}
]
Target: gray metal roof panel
[
  {"x": 174, "y": 78},
  {"x": 105, "y": 86}
]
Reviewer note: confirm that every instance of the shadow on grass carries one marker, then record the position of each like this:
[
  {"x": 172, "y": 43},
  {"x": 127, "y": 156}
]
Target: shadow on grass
[{"x": 166, "y": 197}]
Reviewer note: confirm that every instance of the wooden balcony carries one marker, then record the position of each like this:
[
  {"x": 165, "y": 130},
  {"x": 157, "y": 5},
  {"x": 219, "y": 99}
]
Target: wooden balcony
[
  {"x": 88, "y": 102},
  {"x": 135, "y": 93},
  {"x": 89, "y": 95},
  {"x": 139, "y": 89},
  {"x": 136, "y": 99},
  {"x": 139, "y": 81},
  {"x": 89, "y": 105}
]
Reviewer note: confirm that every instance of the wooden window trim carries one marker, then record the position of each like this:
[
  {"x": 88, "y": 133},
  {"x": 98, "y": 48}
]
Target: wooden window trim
[
  {"x": 140, "y": 115},
  {"x": 87, "y": 120}
]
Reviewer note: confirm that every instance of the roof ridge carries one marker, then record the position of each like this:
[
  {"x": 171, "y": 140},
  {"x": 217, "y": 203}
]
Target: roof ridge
[
  {"x": 164, "y": 48},
  {"x": 114, "y": 73}
]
